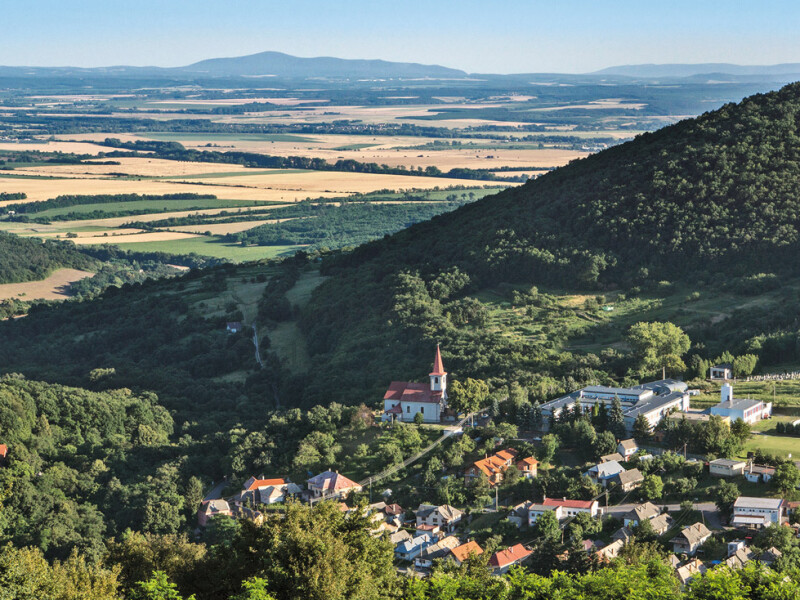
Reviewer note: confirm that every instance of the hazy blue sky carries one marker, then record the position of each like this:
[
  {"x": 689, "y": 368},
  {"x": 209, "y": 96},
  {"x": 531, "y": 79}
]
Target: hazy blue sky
[{"x": 500, "y": 36}]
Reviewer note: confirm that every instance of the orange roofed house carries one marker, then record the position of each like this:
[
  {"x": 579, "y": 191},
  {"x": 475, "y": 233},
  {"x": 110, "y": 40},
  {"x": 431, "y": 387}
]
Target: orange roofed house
[
  {"x": 495, "y": 466},
  {"x": 403, "y": 400},
  {"x": 464, "y": 551}
]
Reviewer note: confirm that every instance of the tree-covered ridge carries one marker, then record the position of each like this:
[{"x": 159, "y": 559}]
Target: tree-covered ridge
[
  {"x": 718, "y": 191},
  {"x": 31, "y": 259},
  {"x": 82, "y": 465}
]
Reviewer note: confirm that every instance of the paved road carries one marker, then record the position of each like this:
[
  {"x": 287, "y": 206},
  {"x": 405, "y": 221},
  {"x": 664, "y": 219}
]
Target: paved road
[
  {"x": 709, "y": 510},
  {"x": 216, "y": 492}
]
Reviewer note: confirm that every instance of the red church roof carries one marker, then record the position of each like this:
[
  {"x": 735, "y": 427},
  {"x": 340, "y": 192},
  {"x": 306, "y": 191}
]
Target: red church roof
[
  {"x": 411, "y": 392},
  {"x": 438, "y": 367}
]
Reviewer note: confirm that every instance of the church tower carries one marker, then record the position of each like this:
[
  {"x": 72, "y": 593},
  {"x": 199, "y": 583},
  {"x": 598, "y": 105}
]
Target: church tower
[{"x": 439, "y": 375}]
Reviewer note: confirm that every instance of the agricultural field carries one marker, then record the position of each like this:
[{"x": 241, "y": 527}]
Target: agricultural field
[{"x": 55, "y": 287}]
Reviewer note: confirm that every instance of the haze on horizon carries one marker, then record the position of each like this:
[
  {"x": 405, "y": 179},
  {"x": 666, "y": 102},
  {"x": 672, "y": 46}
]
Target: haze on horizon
[{"x": 575, "y": 36}]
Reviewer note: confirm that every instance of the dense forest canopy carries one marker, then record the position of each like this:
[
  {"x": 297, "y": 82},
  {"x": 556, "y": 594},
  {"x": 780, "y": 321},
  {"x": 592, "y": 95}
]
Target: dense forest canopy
[{"x": 31, "y": 259}]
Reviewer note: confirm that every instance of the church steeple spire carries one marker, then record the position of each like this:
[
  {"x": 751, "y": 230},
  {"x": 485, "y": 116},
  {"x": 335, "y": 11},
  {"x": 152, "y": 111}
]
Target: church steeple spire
[{"x": 438, "y": 375}]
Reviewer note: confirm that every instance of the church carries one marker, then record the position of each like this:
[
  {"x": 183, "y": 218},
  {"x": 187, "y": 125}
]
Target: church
[{"x": 403, "y": 400}]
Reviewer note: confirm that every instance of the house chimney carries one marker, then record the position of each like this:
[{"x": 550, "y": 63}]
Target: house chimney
[{"x": 726, "y": 393}]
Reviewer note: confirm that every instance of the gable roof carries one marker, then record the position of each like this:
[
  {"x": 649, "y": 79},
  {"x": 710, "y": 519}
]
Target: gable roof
[
  {"x": 529, "y": 460},
  {"x": 393, "y": 509},
  {"x": 694, "y": 534},
  {"x": 438, "y": 366},
  {"x": 587, "y": 504},
  {"x": 642, "y": 512},
  {"x": 440, "y": 548},
  {"x": 661, "y": 522},
  {"x": 447, "y": 512},
  {"x": 607, "y": 469},
  {"x": 628, "y": 444},
  {"x": 631, "y": 476},
  {"x": 215, "y": 507},
  {"x": 615, "y": 456},
  {"x": 509, "y": 556},
  {"x": 690, "y": 569},
  {"x": 462, "y": 552},
  {"x": 330, "y": 481},
  {"x": 253, "y": 483},
  {"x": 405, "y": 391}
]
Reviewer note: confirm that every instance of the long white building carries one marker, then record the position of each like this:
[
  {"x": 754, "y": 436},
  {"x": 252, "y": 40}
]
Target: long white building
[{"x": 652, "y": 400}]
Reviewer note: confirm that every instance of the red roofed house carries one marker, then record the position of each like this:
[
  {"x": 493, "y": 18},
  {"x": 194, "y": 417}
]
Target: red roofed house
[
  {"x": 563, "y": 508},
  {"x": 3, "y": 451},
  {"x": 502, "y": 561},
  {"x": 403, "y": 400},
  {"x": 332, "y": 485}
]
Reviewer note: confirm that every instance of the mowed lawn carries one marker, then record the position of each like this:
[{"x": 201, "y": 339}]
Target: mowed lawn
[
  {"x": 773, "y": 444},
  {"x": 211, "y": 246}
]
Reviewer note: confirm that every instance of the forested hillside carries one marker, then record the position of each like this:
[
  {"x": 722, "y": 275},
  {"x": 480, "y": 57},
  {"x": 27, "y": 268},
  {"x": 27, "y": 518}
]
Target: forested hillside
[
  {"x": 709, "y": 202},
  {"x": 31, "y": 259}
]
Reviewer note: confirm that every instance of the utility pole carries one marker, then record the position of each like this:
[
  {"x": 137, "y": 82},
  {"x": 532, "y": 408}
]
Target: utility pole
[{"x": 496, "y": 498}]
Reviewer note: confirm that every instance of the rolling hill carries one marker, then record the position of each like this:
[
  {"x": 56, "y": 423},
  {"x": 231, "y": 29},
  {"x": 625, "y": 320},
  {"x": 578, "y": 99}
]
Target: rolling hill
[{"x": 707, "y": 206}]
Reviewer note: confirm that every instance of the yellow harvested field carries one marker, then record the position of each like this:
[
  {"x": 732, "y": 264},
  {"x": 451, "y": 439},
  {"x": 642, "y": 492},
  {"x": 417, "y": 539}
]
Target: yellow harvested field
[
  {"x": 52, "y": 288},
  {"x": 224, "y": 228},
  {"x": 44, "y": 189},
  {"x": 142, "y": 167},
  {"x": 121, "y": 237},
  {"x": 329, "y": 183},
  {"x": 76, "y": 147}
]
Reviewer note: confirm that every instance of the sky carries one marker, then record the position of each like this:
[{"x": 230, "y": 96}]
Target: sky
[{"x": 487, "y": 36}]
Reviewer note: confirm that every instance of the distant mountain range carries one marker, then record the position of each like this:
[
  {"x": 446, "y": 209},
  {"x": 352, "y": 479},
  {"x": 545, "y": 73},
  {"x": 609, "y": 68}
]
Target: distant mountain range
[
  {"x": 691, "y": 70},
  {"x": 285, "y": 66}
]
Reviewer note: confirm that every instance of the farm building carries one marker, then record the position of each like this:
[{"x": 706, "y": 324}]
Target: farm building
[{"x": 757, "y": 512}]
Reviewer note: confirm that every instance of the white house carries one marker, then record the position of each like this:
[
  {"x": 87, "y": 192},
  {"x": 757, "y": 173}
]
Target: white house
[
  {"x": 604, "y": 472},
  {"x": 690, "y": 539},
  {"x": 404, "y": 400},
  {"x": 757, "y": 512},
  {"x": 445, "y": 516},
  {"x": 641, "y": 512},
  {"x": 721, "y": 372},
  {"x": 563, "y": 508},
  {"x": 627, "y": 448}
]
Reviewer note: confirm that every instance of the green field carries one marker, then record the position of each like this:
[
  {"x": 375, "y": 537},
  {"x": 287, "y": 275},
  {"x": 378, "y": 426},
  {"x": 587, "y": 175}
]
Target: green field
[
  {"x": 152, "y": 206},
  {"x": 211, "y": 246},
  {"x": 774, "y": 444},
  {"x": 354, "y": 147},
  {"x": 228, "y": 137}
]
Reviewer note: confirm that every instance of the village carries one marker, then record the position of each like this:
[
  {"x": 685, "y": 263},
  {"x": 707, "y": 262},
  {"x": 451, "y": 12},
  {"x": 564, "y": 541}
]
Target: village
[{"x": 624, "y": 486}]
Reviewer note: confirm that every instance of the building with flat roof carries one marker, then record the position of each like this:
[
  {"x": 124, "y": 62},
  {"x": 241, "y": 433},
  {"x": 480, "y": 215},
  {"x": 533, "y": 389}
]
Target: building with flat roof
[
  {"x": 746, "y": 409},
  {"x": 653, "y": 400},
  {"x": 757, "y": 512}
]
